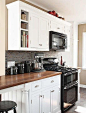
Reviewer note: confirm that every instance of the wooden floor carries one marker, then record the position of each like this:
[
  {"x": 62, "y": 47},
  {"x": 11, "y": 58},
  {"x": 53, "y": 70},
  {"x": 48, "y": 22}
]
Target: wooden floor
[{"x": 81, "y": 103}]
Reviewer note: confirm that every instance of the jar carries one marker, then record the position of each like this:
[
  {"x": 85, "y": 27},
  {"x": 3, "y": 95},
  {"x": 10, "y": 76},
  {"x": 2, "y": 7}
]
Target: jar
[
  {"x": 23, "y": 16},
  {"x": 13, "y": 70}
]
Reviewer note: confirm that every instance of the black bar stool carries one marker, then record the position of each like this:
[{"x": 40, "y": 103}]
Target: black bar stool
[{"x": 6, "y": 106}]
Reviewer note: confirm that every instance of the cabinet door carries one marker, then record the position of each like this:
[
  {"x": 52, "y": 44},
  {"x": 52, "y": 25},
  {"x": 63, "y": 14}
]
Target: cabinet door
[
  {"x": 67, "y": 31},
  {"x": 36, "y": 103},
  {"x": 34, "y": 30},
  {"x": 55, "y": 99},
  {"x": 46, "y": 101},
  {"x": 57, "y": 27},
  {"x": 44, "y": 33}
]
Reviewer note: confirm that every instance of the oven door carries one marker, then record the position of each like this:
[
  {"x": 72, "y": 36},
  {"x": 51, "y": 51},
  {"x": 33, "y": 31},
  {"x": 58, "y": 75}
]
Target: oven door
[
  {"x": 70, "y": 78},
  {"x": 70, "y": 95}
]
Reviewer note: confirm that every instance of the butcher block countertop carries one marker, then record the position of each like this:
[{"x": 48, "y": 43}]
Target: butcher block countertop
[{"x": 7, "y": 81}]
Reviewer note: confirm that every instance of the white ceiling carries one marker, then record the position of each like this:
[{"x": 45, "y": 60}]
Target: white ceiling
[{"x": 72, "y": 10}]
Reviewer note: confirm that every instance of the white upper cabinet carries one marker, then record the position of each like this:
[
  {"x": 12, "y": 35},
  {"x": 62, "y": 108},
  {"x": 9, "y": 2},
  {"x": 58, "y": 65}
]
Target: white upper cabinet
[
  {"x": 44, "y": 33},
  {"x": 28, "y": 27},
  {"x": 34, "y": 31},
  {"x": 57, "y": 27}
]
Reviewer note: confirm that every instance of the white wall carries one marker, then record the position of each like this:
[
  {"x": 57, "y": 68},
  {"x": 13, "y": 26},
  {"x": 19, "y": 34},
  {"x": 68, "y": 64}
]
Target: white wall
[{"x": 2, "y": 37}]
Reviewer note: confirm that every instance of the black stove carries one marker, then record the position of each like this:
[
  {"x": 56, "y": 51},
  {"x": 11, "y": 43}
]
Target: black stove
[
  {"x": 55, "y": 67},
  {"x": 69, "y": 83}
]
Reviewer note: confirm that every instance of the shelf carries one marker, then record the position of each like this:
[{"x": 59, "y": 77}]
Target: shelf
[
  {"x": 24, "y": 21},
  {"x": 24, "y": 29}
]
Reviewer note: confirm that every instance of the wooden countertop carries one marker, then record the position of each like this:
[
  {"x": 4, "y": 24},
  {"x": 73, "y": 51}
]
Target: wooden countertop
[{"x": 7, "y": 81}]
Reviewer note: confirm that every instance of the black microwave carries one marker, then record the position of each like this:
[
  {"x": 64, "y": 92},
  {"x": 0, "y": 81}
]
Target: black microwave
[{"x": 57, "y": 41}]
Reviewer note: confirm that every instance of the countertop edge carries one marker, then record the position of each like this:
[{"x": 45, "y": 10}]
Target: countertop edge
[{"x": 28, "y": 81}]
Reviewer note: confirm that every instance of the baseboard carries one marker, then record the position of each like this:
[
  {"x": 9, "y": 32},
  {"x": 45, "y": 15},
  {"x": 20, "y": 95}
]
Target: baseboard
[{"x": 82, "y": 86}]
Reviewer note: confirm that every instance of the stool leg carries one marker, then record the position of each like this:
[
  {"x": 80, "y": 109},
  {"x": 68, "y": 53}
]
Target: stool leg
[{"x": 15, "y": 110}]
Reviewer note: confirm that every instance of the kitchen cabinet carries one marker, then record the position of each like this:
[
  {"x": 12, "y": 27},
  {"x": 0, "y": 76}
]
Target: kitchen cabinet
[
  {"x": 34, "y": 31},
  {"x": 39, "y": 33},
  {"x": 55, "y": 99},
  {"x": 31, "y": 33},
  {"x": 46, "y": 101},
  {"x": 45, "y": 95},
  {"x": 40, "y": 102},
  {"x": 44, "y": 33},
  {"x": 55, "y": 26},
  {"x": 35, "y": 34},
  {"x": 36, "y": 103}
]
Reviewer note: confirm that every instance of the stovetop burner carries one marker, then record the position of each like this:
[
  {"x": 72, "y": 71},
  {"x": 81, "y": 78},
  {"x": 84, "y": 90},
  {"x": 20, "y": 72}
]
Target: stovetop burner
[{"x": 59, "y": 68}]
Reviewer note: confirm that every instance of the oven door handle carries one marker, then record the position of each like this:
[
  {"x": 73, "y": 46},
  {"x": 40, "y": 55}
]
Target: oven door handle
[{"x": 70, "y": 86}]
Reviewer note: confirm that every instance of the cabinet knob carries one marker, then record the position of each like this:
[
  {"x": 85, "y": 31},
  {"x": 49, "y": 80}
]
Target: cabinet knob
[
  {"x": 52, "y": 81},
  {"x": 40, "y": 44},
  {"x": 36, "y": 86},
  {"x": 52, "y": 91},
  {"x": 40, "y": 95},
  {"x": 58, "y": 28}
]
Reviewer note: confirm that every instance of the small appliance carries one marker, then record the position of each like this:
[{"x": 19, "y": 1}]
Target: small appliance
[
  {"x": 57, "y": 41},
  {"x": 27, "y": 66},
  {"x": 37, "y": 65},
  {"x": 20, "y": 68},
  {"x": 13, "y": 70}
]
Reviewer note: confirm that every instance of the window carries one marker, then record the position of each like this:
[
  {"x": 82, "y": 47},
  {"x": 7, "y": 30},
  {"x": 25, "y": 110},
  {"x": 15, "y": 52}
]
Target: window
[{"x": 84, "y": 51}]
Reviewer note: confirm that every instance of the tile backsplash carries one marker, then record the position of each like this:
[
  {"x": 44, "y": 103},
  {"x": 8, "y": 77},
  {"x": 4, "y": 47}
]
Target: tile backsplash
[{"x": 20, "y": 56}]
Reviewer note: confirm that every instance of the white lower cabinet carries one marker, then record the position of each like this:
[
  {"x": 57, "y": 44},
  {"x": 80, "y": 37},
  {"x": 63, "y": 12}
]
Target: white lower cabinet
[
  {"x": 46, "y": 99},
  {"x": 55, "y": 99},
  {"x": 36, "y": 103}
]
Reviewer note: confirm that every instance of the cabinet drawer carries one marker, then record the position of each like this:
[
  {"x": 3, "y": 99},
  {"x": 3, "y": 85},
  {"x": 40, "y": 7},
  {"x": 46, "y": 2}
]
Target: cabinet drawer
[
  {"x": 54, "y": 80},
  {"x": 36, "y": 85},
  {"x": 50, "y": 81}
]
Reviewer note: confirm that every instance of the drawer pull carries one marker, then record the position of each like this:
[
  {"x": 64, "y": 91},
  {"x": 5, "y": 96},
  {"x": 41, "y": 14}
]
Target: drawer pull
[
  {"x": 36, "y": 86},
  {"x": 52, "y": 91},
  {"x": 52, "y": 81},
  {"x": 58, "y": 28},
  {"x": 40, "y": 44},
  {"x": 40, "y": 95}
]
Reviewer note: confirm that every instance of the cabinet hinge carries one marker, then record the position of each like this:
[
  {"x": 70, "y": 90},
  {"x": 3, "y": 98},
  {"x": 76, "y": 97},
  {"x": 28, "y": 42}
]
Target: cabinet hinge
[
  {"x": 48, "y": 23},
  {"x": 30, "y": 18},
  {"x": 31, "y": 101},
  {"x": 43, "y": 96},
  {"x": 30, "y": 41}
]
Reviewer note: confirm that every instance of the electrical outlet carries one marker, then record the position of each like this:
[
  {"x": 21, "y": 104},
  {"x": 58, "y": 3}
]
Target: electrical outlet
[{"x": 10, "y": 63}]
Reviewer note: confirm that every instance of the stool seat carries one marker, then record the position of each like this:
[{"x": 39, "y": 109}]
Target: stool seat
[{"x": 7, "y": 105}]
